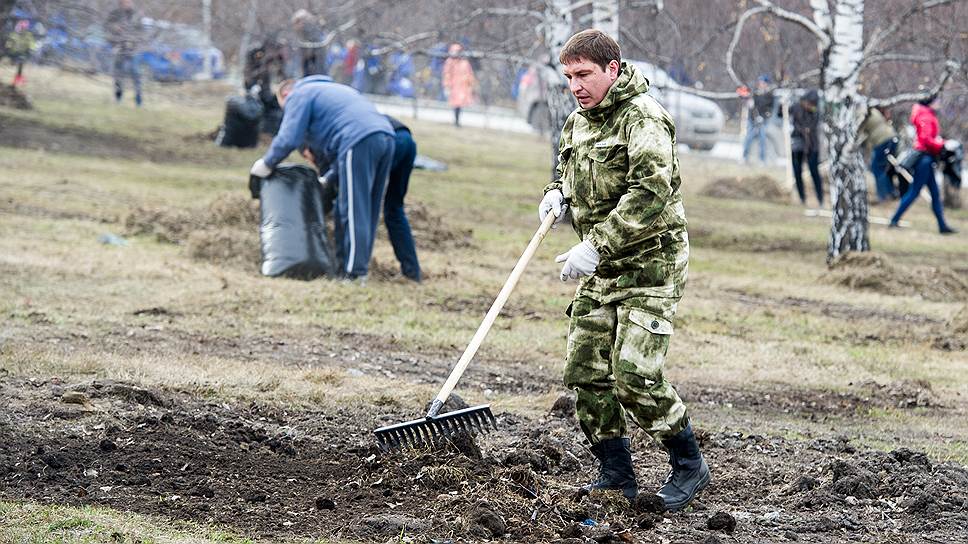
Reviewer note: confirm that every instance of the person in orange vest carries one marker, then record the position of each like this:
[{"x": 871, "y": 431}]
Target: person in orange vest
[{"x": 459, "y": 81}]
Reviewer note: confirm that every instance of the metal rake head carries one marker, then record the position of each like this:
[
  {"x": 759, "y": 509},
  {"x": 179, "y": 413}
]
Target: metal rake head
[{"x": 428, "y": 430}]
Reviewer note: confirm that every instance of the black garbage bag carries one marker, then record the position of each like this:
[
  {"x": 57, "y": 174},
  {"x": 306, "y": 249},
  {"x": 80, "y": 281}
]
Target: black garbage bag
[
  {"x": 952, "y": 156},
  {"x": 295, "y": 241},
  {"x": 243, "y": 115}
]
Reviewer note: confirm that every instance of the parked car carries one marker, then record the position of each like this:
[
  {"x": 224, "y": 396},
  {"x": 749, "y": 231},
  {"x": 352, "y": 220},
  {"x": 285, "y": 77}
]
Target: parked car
[
  {"x": 171, "y": 52},
  {"x": 698, "y": 120},
  {"x": 178, "y": 52}
]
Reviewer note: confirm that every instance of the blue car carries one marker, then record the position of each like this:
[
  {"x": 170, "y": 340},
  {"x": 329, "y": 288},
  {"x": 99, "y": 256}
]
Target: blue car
[
  {"x": 172, "y": 52},
  {"x": 178, "y": 52}
]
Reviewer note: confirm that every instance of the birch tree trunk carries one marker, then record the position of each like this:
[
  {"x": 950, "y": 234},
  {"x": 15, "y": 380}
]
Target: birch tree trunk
[
  {"x": 848, "y": 185},
  {"x": 605, "y": 17},
  {"x": 557, "y": 30}
]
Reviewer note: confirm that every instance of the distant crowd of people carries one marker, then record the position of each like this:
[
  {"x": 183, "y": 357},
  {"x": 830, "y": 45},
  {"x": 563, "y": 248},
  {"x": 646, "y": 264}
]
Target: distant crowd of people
[
  {"x": 312, "y": 49},
  {"x": 897, "y": 176}
]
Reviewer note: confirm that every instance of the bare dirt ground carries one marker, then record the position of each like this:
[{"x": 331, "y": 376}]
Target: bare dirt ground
[{"x": 267, "y": 472}]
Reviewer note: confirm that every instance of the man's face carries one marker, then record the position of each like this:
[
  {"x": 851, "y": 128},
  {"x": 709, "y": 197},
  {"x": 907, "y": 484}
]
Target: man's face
[
  {"x": 588, "y": 82},
  {"x": 127, "y": 4}
]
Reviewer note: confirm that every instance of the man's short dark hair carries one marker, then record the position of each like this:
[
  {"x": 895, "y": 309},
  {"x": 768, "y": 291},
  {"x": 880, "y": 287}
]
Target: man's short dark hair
[{"x": 591, "y": 45}]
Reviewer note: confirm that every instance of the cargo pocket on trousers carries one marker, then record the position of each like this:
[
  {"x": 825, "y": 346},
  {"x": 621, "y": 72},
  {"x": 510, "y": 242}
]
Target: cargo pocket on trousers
[
  {"x": 650, "y": 322},
  {"x": 641, "y": 358}
]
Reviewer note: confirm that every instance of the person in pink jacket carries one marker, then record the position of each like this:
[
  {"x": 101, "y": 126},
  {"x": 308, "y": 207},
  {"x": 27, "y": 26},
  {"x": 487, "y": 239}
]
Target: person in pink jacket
[
  {"x": 459, "y": 81},
  {"x": 929, "y": 143}
]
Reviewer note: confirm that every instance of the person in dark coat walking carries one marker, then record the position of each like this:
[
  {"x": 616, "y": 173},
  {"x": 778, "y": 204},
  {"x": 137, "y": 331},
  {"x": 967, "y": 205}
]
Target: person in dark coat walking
[
  {"x": 761, "y": 104},
  {"x": 805, "y": 143},
  {"x": 124, "y": 32}
]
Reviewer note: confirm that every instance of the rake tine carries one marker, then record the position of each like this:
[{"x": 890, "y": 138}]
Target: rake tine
[
  {"x": 403, "y": 437},
  {"x": 441, "y": 432},
  {"x": 448, "y": 431},
  {"x": 415, "y": 438},
  {"x": 475, "y": 422},
  {"x": 428, "y": 433}
]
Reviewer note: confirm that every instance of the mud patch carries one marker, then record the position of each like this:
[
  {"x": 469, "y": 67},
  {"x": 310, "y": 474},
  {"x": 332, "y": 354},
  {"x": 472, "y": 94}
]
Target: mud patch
[
  {"x": 870, "y": 271},
  {"x": 32, "y": 134},
  {"x": 762, "y": 188},
  {"x": 293, "y": 473},
  {"x": 11, "y": 97},
  {"x": 224, "y": 232}
]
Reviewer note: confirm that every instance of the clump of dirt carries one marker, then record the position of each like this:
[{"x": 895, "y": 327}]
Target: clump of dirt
[
  {"x": 954, "y": 337},
  {"x": 207, "y": 136},
  {"x": 429, "y": 229},
  {"x": 902, "y": 394},
  {"x": 224, "y": 246},
  {"x": 959, "y": 323},
  {"x": 871, "y": 271},
  {"x": 168, "y": 225},
  {"x": 11, "y": 97},
  {"x": 762, "y": 188},
  {"x": 224, "y": 231},
  {"x": 233, "y": 210},
  {"x": 564, "y": 406}
]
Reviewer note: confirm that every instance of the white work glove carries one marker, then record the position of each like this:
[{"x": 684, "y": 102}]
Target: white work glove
[
  {"x": 580, "y": 260},
  {"x": 260, "y": 169},
  {"x": 553, "y": 202}
]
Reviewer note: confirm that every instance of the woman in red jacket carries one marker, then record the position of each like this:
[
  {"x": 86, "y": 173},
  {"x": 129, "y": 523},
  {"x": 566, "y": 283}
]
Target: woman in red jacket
[{"x": 930, "y": 144}]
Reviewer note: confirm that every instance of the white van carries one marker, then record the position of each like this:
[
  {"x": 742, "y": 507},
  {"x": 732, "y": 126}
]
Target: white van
[{"x": 698, "y": 120}]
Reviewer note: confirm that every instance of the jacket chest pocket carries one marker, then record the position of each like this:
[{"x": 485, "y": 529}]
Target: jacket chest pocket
[{"x": 608, "y": 166}]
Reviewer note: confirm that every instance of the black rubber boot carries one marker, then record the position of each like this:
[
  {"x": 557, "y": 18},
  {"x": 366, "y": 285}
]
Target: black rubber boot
[
  {"x": 615, "y": 469},
  {"x": 689, "y": 472}
]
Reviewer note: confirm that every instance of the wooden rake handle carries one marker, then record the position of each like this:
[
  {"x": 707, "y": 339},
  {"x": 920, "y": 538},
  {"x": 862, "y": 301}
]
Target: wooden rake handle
[{"x": 492, "y": 314}]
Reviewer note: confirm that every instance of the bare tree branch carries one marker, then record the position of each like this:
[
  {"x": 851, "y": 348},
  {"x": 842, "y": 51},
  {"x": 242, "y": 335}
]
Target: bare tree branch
[
  {"x": 794, "y": 17},
  {"x": 765, "y": 6},
  {"x": 737, "y": 32},
  {"x": 950, "y": 68},
  {"x": 897, "y": 57},
  {"x": 405, "y": 43},
  {"x": 879, "y": 35}
]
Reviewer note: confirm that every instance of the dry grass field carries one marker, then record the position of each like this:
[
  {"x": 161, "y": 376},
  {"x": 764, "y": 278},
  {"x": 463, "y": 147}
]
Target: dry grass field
[{"x": 164, "y": 391}]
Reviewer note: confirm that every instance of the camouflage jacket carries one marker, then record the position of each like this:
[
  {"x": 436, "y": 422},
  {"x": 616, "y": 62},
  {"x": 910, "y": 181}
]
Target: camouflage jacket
[{"x": 619, "y": 172}]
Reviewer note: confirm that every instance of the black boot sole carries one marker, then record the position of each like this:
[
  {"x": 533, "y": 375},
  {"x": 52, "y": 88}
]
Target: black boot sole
[{"x": 675, "y": 507}]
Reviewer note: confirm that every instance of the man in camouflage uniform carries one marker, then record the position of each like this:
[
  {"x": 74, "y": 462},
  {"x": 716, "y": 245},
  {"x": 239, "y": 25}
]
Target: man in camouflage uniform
[{"x": 618, "y": 177}]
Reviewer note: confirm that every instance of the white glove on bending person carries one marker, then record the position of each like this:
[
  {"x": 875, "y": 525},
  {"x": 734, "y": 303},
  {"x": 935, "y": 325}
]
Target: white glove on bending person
[
  {"x": 554, "y": 202},
  {"x": 580, "y": 260},
  {"x": 260, "y": 169}
]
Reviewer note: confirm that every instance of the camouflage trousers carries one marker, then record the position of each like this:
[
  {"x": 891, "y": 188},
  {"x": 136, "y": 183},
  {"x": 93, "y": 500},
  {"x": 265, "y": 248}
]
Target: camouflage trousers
[{"x": 615, "y": 357}]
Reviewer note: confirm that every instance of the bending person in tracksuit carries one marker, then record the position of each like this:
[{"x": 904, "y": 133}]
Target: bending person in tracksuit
[
  {"x": 340, "y": 124},
  {"x": 394, "y": 216}
]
